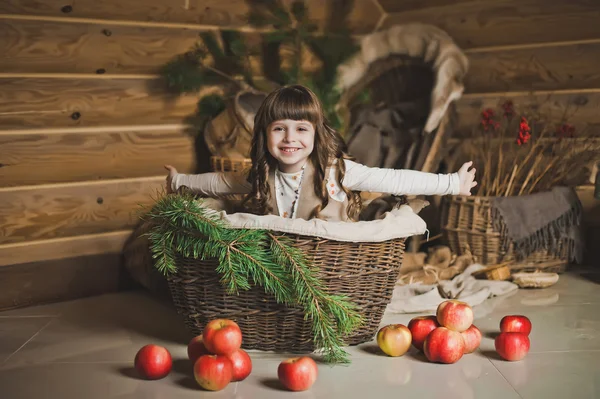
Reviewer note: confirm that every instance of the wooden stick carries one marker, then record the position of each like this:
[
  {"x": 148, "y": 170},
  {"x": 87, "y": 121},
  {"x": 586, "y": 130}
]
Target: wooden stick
[
  {"x": 535, "y": 164},
  {"x": 550, "y": 164},
  {"x": 512, "y": 178},
  {"x": 435, "y": 145},
  {"x": 428, "y": 166}
]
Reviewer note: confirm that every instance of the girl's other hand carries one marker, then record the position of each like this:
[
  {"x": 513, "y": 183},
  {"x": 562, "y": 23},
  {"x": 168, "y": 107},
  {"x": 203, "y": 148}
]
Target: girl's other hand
[
  {"x": 170, "y": 176},
  {"x": 466, "y": 178}
]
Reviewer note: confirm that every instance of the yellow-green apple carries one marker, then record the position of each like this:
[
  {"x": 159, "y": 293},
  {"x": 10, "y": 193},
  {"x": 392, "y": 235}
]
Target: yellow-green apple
[
  {"x": 515, "y": 323},
  {"x": 455, "y": 315},
  {"x": 394, "y": 339},
  {"x": 512, "y": 346},
  {"x": 297, "y": 373},
  {"x": 443, "y": 345},
  {"x": 196, "y": 348},
  {"x": 213, "y": 372},
  {"x": 420, "y": 327},
  {"x": 472, "y": 338},
  {"x": 242, "y": 364},
  {"x": 153, "y": 362},
  {"x": 222, "y": 336}
]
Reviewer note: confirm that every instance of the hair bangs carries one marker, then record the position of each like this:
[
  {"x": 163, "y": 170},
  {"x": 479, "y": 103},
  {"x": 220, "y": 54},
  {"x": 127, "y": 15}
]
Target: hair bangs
[{"x": 294, "y": 103}]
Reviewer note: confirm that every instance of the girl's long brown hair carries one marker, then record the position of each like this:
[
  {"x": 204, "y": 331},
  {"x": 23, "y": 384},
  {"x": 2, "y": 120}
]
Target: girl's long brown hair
[{"x": 296, "y": 103}]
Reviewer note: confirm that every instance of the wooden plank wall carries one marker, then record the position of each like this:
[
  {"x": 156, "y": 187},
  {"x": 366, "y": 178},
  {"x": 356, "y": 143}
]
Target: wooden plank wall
[
  {"x": 533, "y": 52},
  {"x": 85, "y": 125}
]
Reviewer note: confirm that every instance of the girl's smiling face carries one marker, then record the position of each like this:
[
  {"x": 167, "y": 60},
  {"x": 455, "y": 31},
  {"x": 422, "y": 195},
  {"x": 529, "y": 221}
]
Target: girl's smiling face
[{"x": 290, "y": 142}]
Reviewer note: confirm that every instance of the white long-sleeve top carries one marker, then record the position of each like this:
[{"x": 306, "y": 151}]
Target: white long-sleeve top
[{"x": 357, "y": 178}]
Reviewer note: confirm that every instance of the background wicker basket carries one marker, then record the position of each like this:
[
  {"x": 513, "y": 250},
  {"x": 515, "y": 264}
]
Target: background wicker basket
[
  {"x": 467, "y": 224},
  {"x": 365, "y": 272},
  {"x": 224, "y": 164},
  {"x": 404, "y": 82}
]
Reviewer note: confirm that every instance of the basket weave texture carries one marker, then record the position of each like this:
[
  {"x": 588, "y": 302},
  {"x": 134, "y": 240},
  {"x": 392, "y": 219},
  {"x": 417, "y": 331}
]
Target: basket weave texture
[
  {"x": 467, "y": 225},
  {"x": 224, "y": 164},
  {"x": 365, "y": 272}
]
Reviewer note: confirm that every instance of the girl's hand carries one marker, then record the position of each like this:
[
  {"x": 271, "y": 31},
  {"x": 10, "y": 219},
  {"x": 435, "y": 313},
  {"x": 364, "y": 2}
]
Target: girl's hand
[
  {"x": 466, "y": 178},
  {"x": 170, "y": 176}
]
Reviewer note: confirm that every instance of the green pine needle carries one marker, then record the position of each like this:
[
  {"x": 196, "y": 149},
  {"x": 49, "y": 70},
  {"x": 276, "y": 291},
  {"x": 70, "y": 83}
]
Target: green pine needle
[
  {"x": 183, "y": 226},
  {"x": 210, "y": 106},
  {"x": 299, "y": 10}
]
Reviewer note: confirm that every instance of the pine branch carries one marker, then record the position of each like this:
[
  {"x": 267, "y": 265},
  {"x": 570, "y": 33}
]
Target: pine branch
[
  {"x": 233, "y": 279},
  {"x": 162, "y": 251},
  {"x": 210, "y": 106},
  {"x": 183, "y": 226},
  {"x": 266, "y": 273},
  {"x": 322, "y": 308}
]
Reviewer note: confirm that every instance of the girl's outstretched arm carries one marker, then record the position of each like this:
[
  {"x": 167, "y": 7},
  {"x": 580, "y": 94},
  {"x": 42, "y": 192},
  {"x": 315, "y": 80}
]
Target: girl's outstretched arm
[
  {"x": 408, "y": 182},
  {"x": 212, "y": 184}
]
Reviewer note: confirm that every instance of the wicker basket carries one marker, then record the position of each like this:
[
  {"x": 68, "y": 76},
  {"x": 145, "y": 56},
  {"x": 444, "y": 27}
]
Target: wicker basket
[
  {"x": 365, "y": 272},
  {"x": 497, "y": 272},
  {"x": 467, "y": 224},
  {"x": 223, "y": 164}
]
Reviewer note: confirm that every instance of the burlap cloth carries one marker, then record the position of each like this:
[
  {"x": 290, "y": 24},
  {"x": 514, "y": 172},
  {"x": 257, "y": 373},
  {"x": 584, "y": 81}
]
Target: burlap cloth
[{"x": 540, "y": 221}]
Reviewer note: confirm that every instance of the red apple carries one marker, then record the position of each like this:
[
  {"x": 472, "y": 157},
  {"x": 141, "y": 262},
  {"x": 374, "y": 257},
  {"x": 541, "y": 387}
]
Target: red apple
[
  {"x": 472, "y": 338},
  {"x": 222, "y": 336},
  {"x": 443, "y": 345},
  {"x": 394, "y": 339},
  {"x": 512, "y": 346},
  {"x": 420, "y": 327},
  {"x": 242, "y": 365},
  {"x": 213, "y": 372},
  {"x": 455, "y": 315},
  {"x": 298, "y": 373},
  {"x": 153, "y": 362},
  {"x": 515, "y": 323},
  {"x": 196, "y": 348}
]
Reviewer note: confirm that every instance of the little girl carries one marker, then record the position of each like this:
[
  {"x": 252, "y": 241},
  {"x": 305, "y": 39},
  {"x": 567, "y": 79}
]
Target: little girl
[{"x": 300, "y": 168}]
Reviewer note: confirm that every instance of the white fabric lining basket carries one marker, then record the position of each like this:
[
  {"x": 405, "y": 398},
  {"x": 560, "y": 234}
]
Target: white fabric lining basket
[{"x": 401, "y": 222}]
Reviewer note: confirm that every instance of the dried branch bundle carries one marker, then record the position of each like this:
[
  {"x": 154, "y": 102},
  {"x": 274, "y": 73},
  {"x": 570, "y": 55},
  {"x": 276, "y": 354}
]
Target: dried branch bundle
[{"x": 519, "y": 153}]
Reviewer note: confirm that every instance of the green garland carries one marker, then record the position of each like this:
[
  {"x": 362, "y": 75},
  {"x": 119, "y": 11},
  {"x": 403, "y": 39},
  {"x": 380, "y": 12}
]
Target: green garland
[
  {"x": 182, "y": 225},
  {"x": 223, "y": 56}
]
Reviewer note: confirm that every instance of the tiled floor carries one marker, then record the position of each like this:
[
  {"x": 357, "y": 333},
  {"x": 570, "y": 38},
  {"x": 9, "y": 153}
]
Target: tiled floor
[{"x": 84, "y": 349}]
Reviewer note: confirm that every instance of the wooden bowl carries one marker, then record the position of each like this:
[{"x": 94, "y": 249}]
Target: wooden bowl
[{"x": 535, "y": 280}]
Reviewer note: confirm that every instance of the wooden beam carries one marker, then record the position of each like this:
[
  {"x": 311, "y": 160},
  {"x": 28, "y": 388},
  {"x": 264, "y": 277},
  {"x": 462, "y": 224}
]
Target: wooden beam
[
  {"x": 49, "y": 281},
  {"x": 98, "y": 129},
  {"x": 580, "y": 107},
  {"x": 64, "y": 48},
  {"x": 76, "y": 75},
  {"x": 195, "y": 14},
  {"x": 530, "y": 46},
  {"x": 37, "y": 102},
  {"x": 72, "y": 209},
  {"x": 482, "y": 23},
  {"x": 41, "y": 19},
  {"x": 396, "y": 6},
  {"x": 561, "y": 66},
  {"x": 58, "y": 47},
  {"x": 63, "y": 248},
  {"x": 213, "y": 13},
  {"x": 72, "y": 155}
]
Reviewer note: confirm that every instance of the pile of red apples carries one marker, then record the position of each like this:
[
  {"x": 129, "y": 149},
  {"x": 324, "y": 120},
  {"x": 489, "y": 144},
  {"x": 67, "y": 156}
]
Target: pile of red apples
[
  {"x": 450, "y": 334},
  {"x": 218, "y": 359}
]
